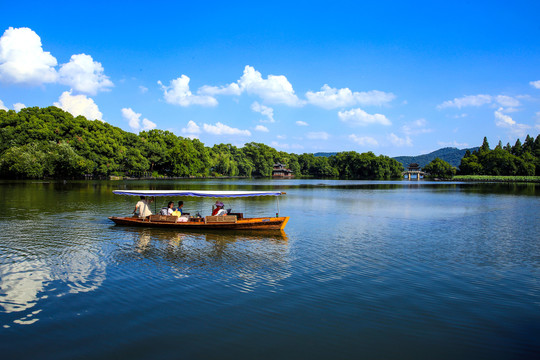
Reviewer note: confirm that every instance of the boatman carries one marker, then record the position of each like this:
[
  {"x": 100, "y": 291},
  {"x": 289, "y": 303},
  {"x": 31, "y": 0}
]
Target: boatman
[{"x": 142, "y": 208}]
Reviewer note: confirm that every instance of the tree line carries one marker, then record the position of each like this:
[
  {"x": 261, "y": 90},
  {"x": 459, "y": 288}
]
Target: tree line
[
  {"x": 518, "y": 160},
  {"x": 51, "y": 143}
]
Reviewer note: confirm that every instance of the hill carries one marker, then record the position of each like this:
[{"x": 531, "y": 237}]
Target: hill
[{"x": 451, "y": 155}]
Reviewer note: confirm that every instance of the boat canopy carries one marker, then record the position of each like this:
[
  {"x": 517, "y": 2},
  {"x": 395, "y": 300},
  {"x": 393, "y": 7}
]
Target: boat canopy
[{"x": 197, "y": 193}]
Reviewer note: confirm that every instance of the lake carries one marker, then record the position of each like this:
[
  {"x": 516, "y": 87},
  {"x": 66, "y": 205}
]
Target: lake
[{"x": 375, "y": 270}]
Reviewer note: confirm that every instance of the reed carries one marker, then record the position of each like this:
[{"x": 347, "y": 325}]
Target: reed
[{"x": 494, "y": 178}]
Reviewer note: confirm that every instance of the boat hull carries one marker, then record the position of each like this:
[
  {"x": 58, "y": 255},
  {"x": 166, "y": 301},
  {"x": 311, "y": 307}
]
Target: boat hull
[{"x": 266, "y": 223}]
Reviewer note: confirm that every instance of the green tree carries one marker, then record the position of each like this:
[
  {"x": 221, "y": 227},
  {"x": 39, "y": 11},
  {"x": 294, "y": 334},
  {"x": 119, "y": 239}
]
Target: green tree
[{"x": 440, "y": 169}]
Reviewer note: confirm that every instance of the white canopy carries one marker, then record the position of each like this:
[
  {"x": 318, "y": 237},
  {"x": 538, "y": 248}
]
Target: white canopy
[{"x": 197, "y": 193}]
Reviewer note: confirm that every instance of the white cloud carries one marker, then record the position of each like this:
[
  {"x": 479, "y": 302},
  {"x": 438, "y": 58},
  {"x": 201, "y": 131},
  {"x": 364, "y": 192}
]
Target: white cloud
[
  {"x": 360, "y": 117},
  {"x": 278, "y": 145},
  {"x": 178, "y": 93},
  {"x": 363, "y": 140},
  {"x": 22, "y": 59},
  {"x": 416, "y": 127},
  {"x": 479, "y": 100},
  {"x": 2, "y": 106},
  {"x": 274, "y": 89},
  {"x": 302, "y": 123},
  {"x": 331, "y": 98},
  {"x": 192, "y": 130},
  {"x": 535, "y": 84},
  {"x": 134, "y": 120},
  {"x": 505, "y": 121},
  {"x": 84, "y": 75},
  {"x": 507, "y": 101},
  {"x": 321, "y": 135},
  {"x": 397, "y": 141},
  {"x": 537, "y": 120},
  {"x": 265, "y": 110},
  {"x": 452, "y": 144},
  {"x": 79, "y": 105},
  {"x": 470, "y": 100},
  {"x": 18, "y": 106},
  {"x": 502, "y": 119},
  {"x": 261, "y": 128},
  {"x": 143, "y": 89},
  {"x": 281, "y": 137},
  {"x": 221, "y": 129},
  {"x": 231, "y": 89}
]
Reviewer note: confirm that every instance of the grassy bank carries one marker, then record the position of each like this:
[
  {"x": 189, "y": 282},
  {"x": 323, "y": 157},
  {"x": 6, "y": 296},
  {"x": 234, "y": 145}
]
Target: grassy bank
[{"x": 533, "y": 179}]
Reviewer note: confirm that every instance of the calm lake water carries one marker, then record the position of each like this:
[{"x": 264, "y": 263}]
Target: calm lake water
[{"x": 375, "y": 270}]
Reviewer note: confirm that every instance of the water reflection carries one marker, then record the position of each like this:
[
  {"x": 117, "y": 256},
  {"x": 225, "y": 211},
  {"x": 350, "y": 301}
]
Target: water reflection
[{"x": 243, "y": 259}]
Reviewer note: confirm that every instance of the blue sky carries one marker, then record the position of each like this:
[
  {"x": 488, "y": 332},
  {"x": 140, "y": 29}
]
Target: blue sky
[{"x": 395, "y": 78}]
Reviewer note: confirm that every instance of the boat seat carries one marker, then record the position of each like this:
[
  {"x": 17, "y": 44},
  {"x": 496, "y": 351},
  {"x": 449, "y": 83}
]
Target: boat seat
[
  {"x": 162, "y": 218},
  {"x": 220, "y": 219}
]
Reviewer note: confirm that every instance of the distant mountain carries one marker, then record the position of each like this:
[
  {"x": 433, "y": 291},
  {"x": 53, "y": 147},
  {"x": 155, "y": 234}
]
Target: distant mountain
[
  {"x": 451, "y": 155},
  {"x": 325, "y": 154}
]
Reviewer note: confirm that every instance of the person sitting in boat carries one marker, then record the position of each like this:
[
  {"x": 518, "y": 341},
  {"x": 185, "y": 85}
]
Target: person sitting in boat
[
  {"x": 179, "y": 209},
  {"x": 142, "y": 208},
  {"x": 167, "y": 210},
  {"x": 219, "y": 210}
]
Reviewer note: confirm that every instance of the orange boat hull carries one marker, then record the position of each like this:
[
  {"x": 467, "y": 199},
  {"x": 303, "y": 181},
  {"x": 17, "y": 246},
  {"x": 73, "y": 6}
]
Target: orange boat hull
[{"x": 266, "y": 223}]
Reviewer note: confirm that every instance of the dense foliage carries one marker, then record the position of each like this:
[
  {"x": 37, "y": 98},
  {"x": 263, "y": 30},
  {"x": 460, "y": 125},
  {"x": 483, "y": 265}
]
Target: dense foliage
[
  {"x": 517, "y": 160},
  {"x": 440, "y": 169},
  {"x": 48, "y": 142}
]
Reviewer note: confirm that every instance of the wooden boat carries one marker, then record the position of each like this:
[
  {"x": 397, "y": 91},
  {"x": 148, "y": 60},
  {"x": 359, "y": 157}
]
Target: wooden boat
[{"x": 231, "y": 221}]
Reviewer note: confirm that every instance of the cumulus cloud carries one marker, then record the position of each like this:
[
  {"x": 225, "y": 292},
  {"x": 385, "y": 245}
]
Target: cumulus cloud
[
  {"x": 192, "y": 130},
  {"x": 2, "y": 106},
  {"x": 470, "y": 100},
  {"x": 178, "y": 93},
  {"x": 221, "y": 129},
  {"x": 331, "y": 98},
  {"x": 278, "y": 145},
  {"x": 264, "y": 110},
  {"x": 320, "y": 135},
  {"x": 22, "y": 59},
  {"x": 85, "y": 75},
  {"x": 360, "y": 117},
  {"x": 261, "y": 128},
  {"x": 505, "y": 121},
  {"x": 18, "y": 106},
  {"x": 231, "y": 89},
  {"x": 134, "y": 120},
  {"x": 535, "y": 84},
  {"x": 363, "y": 140},
  {"x": 479, "y": 100},
  {"x": 507, "y": 101},
  {"x": 274, "y": 89},
  {"x": 302, "y": 123},
  {"x": 397, "y": 141},
  {"x": 79, "y": 105}
]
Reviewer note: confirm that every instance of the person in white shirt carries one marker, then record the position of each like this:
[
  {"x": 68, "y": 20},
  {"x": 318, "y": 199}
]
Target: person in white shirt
[
  {"x": 142, "y": 208},
  {"x": 167, "y": 210}
]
